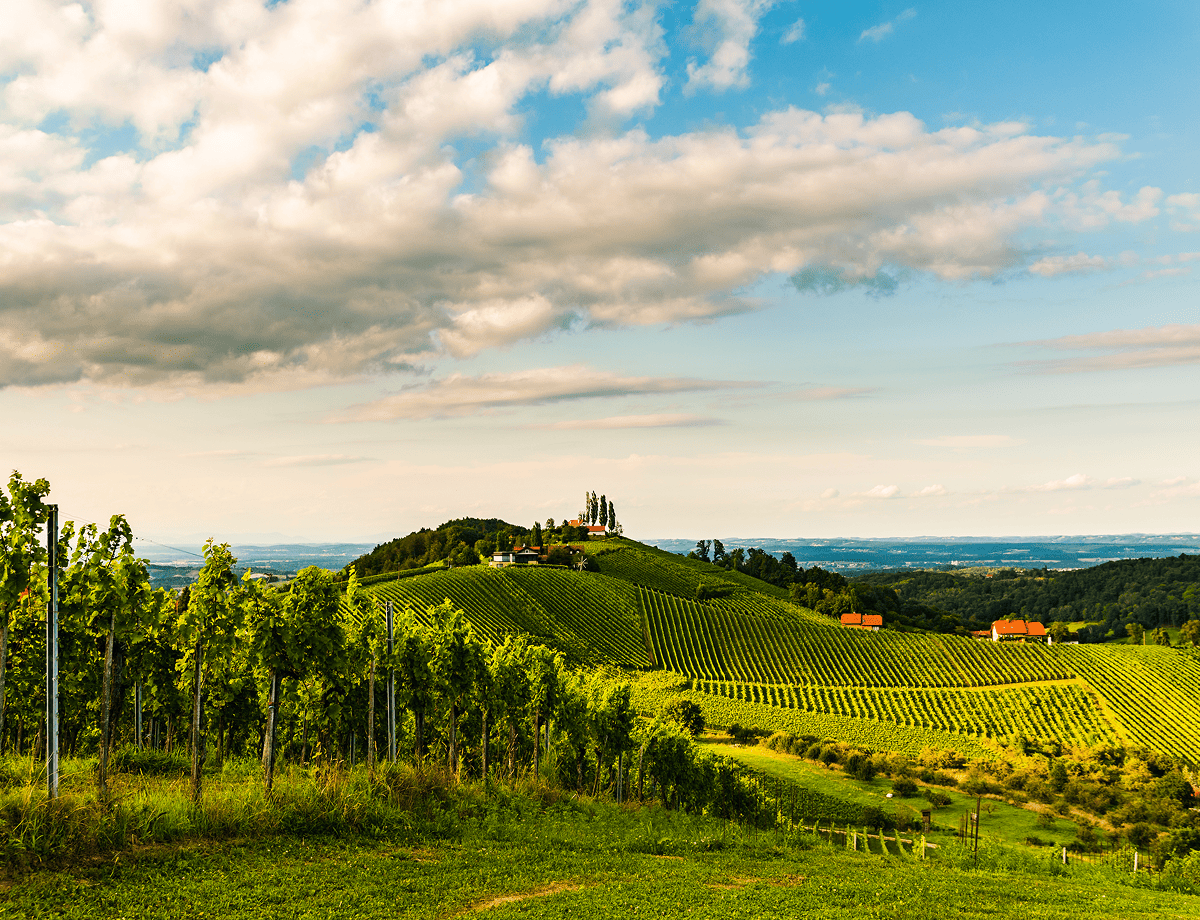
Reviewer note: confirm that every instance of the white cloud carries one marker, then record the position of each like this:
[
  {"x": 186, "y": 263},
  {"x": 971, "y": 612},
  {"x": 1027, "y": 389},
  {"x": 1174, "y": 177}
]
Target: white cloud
[
  {"x": 794, "y": 33},
  {"x": 728, "y": 27},
  {"x": 932, "y": 491},
  {"x": 459, "y": 394},
  {"x": 884, "y": 29},
  {"x": 1071, "y": 483},
  {"x": 298, "y": 211},
  {"x": 882, "y": 492},
  {"x": 1122, "y": 349},
  {"x": 1050, "y": 266},
  {"x": 1186, "y": 207}
]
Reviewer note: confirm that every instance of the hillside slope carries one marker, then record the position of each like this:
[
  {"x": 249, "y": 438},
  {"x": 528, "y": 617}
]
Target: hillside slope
[{"x": 750, "y": 656}]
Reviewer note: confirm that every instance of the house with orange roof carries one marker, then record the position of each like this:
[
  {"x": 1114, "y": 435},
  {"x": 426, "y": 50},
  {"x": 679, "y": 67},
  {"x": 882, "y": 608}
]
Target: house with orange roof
[
  {"x": 1019, "y": 631},
  {"x": 871, "y": 621}
]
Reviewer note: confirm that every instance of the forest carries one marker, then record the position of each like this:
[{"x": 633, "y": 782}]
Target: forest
[{"x": 1117, "y": 599}]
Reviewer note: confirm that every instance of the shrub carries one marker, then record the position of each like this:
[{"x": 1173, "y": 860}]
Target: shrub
[{"x": 904, "y": 787}]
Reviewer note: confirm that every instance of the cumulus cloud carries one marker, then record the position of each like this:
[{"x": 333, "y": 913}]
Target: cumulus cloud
[
  {"x": 1071, "y": 483},
  {"x": 241, "y": 195},
  {"x": 1122, "y": 349},
  {"x": 1050, "y": 266},
  {"x": 727, "y": 28},
  {"x": 884, "y": 29},
  {"x": 825, "y": 280},
  {"x": 460, "y": 394},
  {"x": 932, "y": 491},
  {"x": 1186, "y": 210},
  {"x": 794, "y": 33},
  {"x": 882, "y": 492}
]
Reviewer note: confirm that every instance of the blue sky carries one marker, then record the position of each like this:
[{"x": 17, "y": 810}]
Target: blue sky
[{"x": 336, "y": 271}]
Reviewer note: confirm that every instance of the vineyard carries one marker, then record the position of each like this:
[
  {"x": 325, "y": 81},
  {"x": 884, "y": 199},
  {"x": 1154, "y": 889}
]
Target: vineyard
[
  {"x": 749, "y": 656},
  {"x": 1062, "y": 711},
  {"x": 592, "y": 618}
]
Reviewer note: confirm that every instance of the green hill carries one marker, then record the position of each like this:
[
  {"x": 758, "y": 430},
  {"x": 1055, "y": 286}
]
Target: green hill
[{"x": 748, "y": 655}]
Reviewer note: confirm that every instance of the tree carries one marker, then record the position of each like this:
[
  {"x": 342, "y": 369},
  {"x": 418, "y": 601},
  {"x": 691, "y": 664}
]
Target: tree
[
  {"x": 535, "y": 535},
  {"x": 613, "y": 526},
  {"x": 116, "y": 599},
  {"x": 701, "y": 550},
  {"x": 604, "y": 511},
  {"x": 21, "y": 514},
  {"x": 687, "y": 713},
  {"x": 412, "y": 657},
  {"x": 543, "y": 667},
  {"x": 1136, "y": 633},
  {"x": 1059, "y": 632},
  {"x": 719, "y": 557},
  {"x": 370, "y": 643},
  {"x": 209, "y": 622},
  {"x": 1190, "y": 632},
  {"x": 455, "y": 652},
  {"x": 593, "y": 508}
]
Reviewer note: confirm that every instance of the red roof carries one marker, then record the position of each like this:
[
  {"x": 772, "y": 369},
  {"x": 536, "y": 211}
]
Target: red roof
[
  {"x": 1035, "y": 628},
  {"x": 873, "y": 619},
  {"x": 852, "y": 619},
  {"x": 1010, "y": 628}
]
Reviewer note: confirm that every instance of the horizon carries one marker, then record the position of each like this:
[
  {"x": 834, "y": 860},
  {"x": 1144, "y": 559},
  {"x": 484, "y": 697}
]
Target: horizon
[{"x": 741, "y": 265}]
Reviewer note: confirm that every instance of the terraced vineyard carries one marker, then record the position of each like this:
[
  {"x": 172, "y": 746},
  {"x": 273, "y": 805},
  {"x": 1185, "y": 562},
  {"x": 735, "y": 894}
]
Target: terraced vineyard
[
  {"x": 1153, "y": 691},
  {"x": 754, "y": 658},
  {"x": 1062, "y": 711},
  {"x": 726, "y": 641},
  {"x": 592, "y": 618}
]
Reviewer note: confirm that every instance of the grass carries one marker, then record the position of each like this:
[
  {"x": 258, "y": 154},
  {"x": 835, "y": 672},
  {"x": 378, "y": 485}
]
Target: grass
[
  {"x": 1000, "y": 822},
  {"x": 520, "y": 857}
]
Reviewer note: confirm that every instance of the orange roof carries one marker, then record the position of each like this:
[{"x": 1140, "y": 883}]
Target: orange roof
[
  {"x": 852, "y": 619},
  {"x": 1036, "y": 628},
  {"x": 873, "y": 619},
  {"x": 1010, "y": 628}
]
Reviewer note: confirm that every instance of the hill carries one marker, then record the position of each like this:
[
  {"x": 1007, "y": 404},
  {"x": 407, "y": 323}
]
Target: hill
[{"x": 745, "y": 654}]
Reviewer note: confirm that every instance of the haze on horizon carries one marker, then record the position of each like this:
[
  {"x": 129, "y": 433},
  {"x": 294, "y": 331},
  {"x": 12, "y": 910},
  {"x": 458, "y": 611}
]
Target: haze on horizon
[{"x": 338, "y": 270}]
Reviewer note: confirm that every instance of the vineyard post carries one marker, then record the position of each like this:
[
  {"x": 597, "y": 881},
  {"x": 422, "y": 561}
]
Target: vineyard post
[
  {"x": 137, "y": 716},
  {"x": 52, "y": 653},
  {"x": 391, "y": 691},
  {"x": 978, "y": 800},
  {"x": 1135, "y": 862}
]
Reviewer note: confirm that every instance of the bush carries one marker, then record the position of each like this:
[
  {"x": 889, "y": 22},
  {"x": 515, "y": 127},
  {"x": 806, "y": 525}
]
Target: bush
[
  {"x": 904, "y": 787},
  {"x": 686, "y": 713},
  {"x": 937, "y": 798}
]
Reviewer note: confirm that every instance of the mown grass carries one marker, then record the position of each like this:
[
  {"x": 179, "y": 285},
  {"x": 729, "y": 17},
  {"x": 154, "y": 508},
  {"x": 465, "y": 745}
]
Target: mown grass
[{"x": 527, "y": 856}]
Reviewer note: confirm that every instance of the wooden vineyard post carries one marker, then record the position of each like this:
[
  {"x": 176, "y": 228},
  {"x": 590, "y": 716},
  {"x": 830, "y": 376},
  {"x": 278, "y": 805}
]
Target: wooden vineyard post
[
  {"x": 1135, "y": 862},
  {"x": 52, "y": 653},
  {"x": 391, "y": 691},
  {"x": 922, "y": 846},
  {"x": 978, "y": 800}
]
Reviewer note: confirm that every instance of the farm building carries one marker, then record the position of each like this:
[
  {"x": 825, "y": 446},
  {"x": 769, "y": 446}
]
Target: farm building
[
  {"x": 525, "y": 555},
  {"x": 1018, "y": 631},
  {"x": 871, "y": 621},
  {"x": 593, "y": 530}
]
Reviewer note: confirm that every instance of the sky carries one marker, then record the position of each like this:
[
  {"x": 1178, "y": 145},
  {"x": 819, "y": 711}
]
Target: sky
[{"x": 324, "y": 270}]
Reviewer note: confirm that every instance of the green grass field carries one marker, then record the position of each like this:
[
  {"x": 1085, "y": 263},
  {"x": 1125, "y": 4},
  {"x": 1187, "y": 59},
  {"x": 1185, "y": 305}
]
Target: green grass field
[{"x": 542, "y": 859}]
